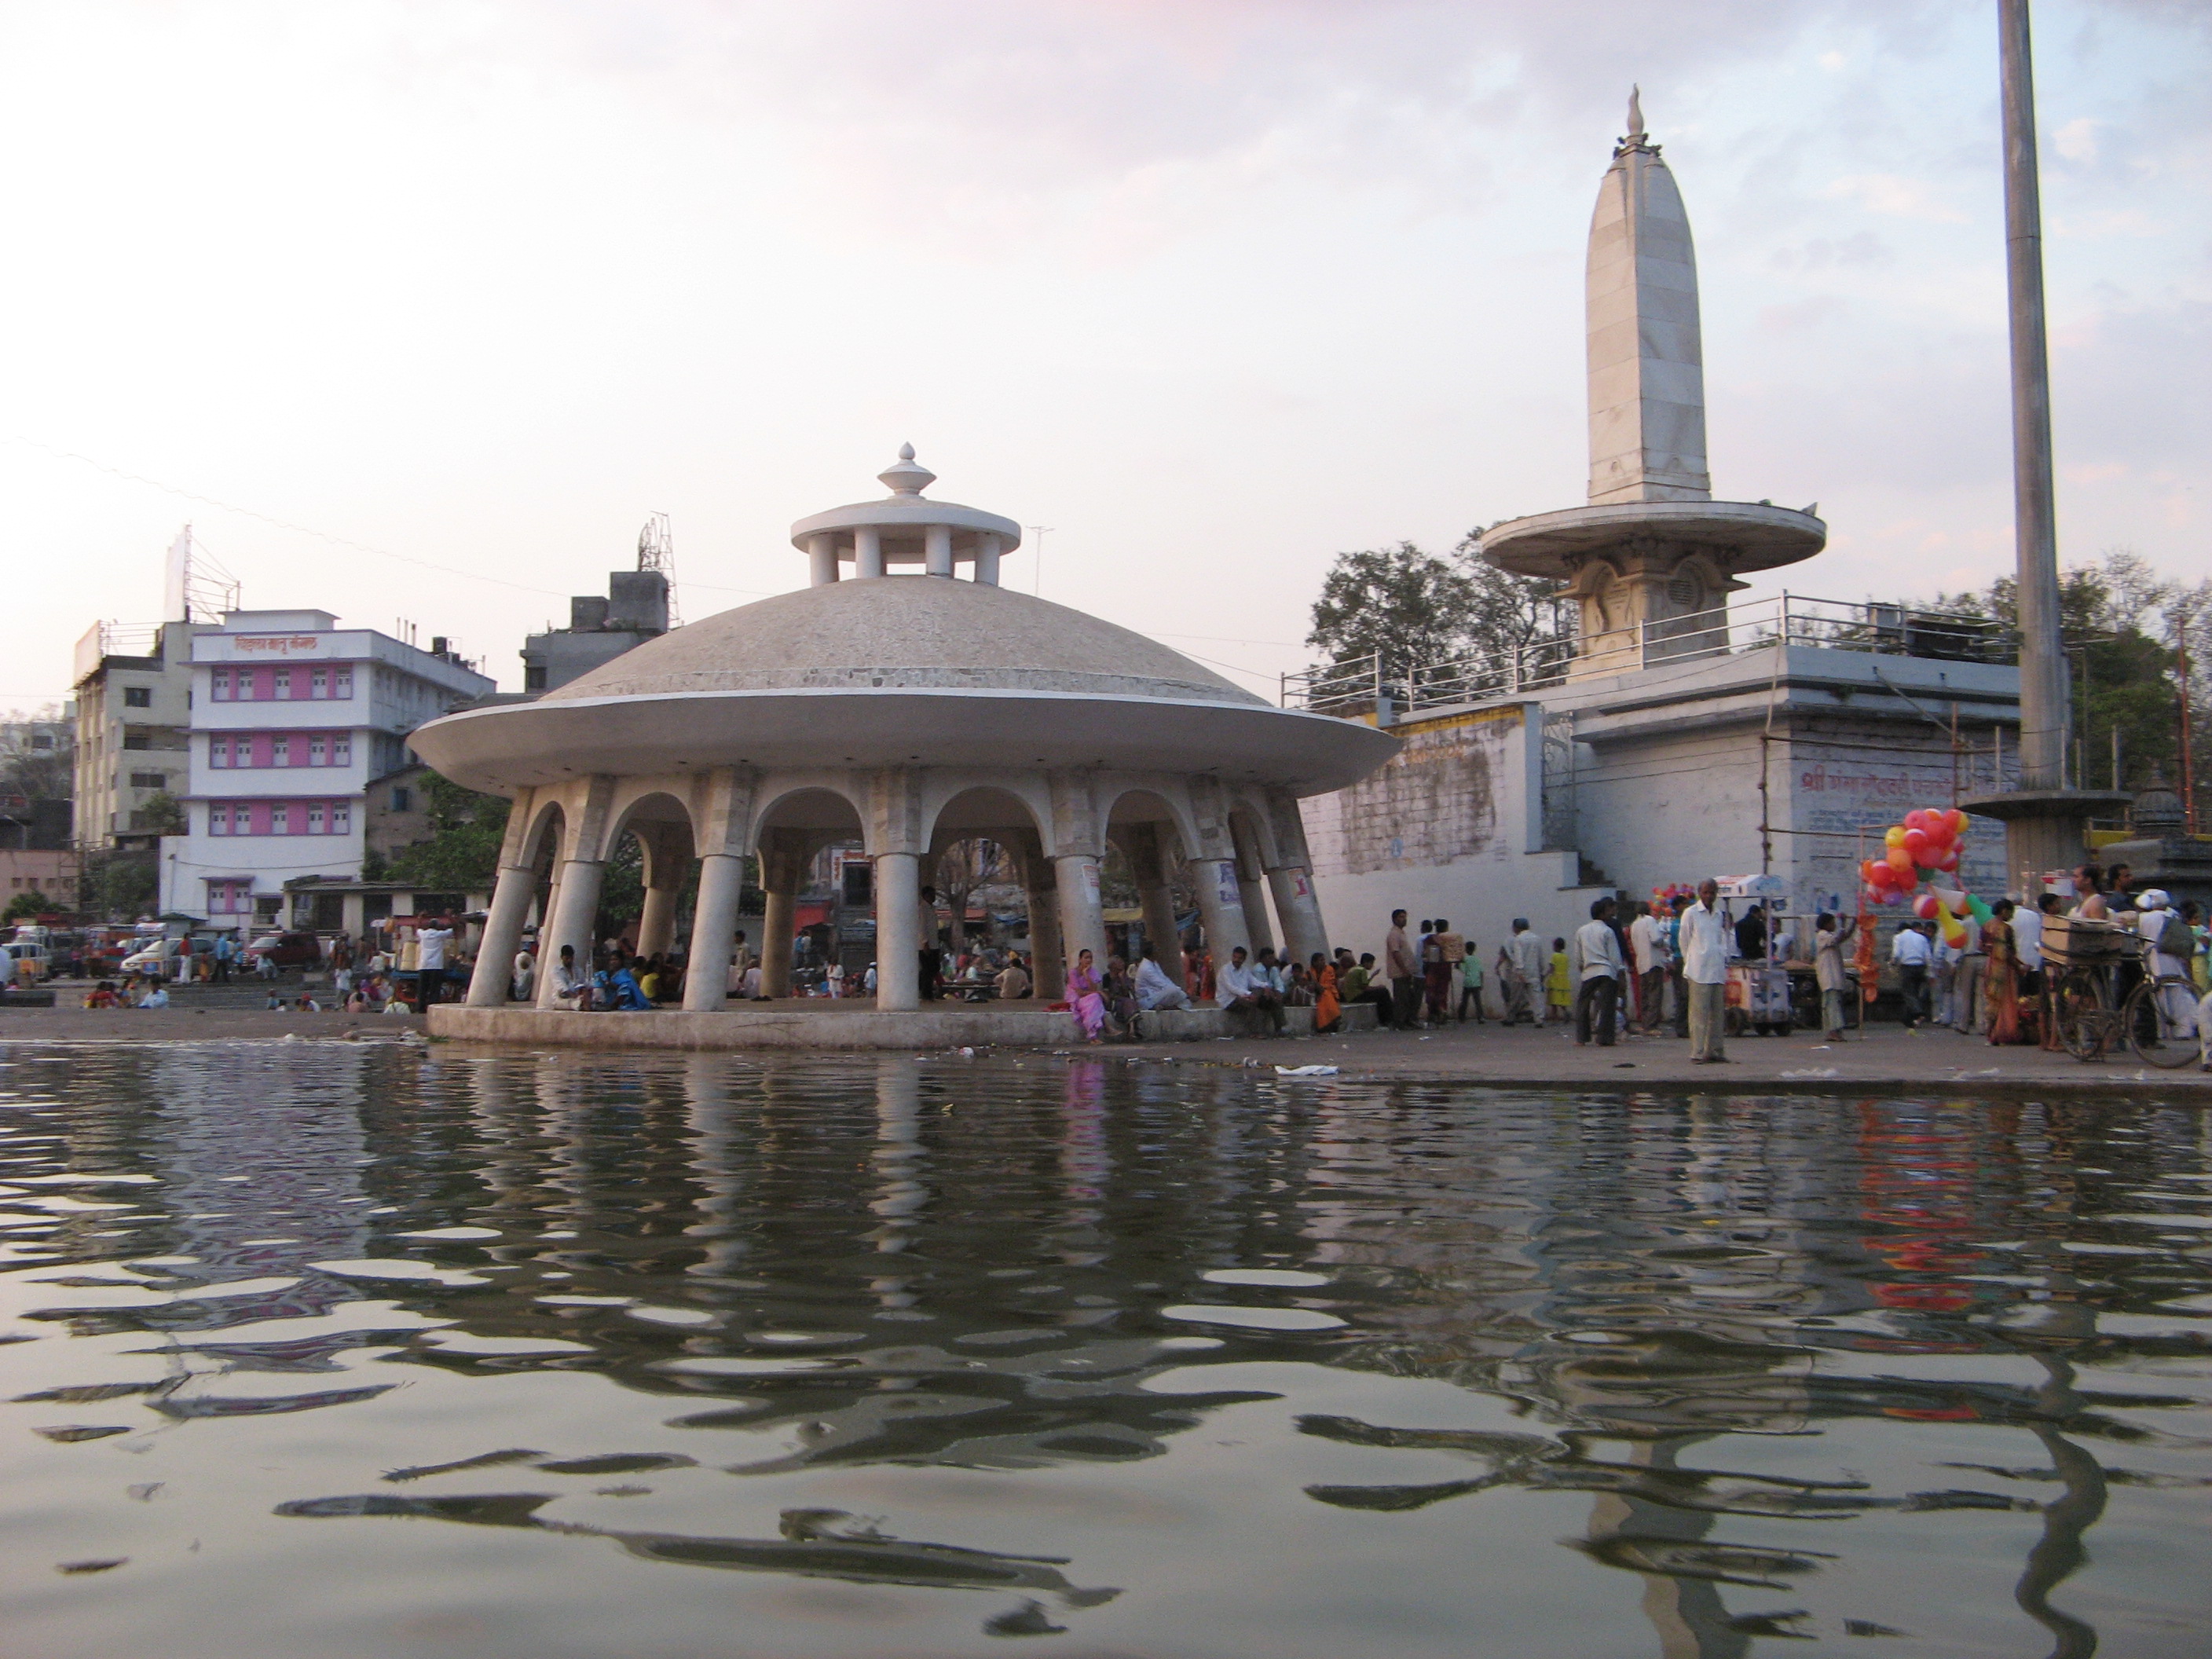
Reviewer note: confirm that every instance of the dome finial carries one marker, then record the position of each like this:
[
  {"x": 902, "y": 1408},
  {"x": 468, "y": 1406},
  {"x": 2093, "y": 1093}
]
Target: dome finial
[{"x": 910, "y": 477}]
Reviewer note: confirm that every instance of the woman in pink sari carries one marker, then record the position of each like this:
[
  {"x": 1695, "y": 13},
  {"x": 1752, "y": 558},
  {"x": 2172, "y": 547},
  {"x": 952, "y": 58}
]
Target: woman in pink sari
[{"x": 1086, "y": 995}]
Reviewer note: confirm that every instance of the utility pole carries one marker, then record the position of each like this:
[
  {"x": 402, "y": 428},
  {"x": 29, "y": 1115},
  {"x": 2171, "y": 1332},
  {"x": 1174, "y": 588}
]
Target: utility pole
[
  {"x": 2188, "y": 761},
  {"x": 2045, "y": 820}
]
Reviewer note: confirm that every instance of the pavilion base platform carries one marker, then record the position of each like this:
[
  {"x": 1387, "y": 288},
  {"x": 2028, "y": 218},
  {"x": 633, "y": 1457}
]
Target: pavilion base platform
[{"x": 823, "y": 1023}]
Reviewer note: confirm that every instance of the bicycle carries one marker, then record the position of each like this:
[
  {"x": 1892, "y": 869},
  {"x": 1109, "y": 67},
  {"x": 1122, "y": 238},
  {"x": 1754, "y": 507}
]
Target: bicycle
[{"x": 2158, "y": 1017}]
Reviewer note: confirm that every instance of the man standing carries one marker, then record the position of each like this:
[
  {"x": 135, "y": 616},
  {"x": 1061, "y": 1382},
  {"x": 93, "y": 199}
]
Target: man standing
[
  {"x": 433, "y": 942},
  {"x": 1966, "y": 987},
  {"x": 1704, "y": 975},
  {"x": 1597, "y": 989},
  {"x": 1647, "y": 944},
  {"x": 1403, "y": 969},
  {"x": 1450, "y": 950},
  {"x": 932, "y": 964},
  {"x": 1530, "y": 961},
  {"x": 1828, "y": 942},
  {"x": 1911, "y": 952}
]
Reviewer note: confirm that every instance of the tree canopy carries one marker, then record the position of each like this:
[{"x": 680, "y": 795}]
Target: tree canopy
[{"x": 1414, "y": 607}]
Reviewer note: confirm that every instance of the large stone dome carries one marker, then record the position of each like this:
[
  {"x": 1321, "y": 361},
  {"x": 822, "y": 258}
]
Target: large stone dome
[{"x": 904, "y": 633}]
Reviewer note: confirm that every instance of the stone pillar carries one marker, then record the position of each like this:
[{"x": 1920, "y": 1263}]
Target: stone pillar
[
  {"x": 576, "y": 907},
  {"x": 1251, "y": 888},
  {"x": 1221, "y": 908},
  {"x": 936, "y": 549},
  {"x": 1040, "y": 885},
  {"x": 781, "y": 867},
  {"x": 868, "y": 553},
  {"x": 822, "y": 557},
  {"x": 713, "y": 933},
  {"x": 1148, "y": 863},
  {"x": 898, "y": 931},
  {"x": 502, "y": 936},
  {"x": 1082, "y": 917},
  {"x": 656, "y": 922},
  {"x": 1299, "y": 907},
  {"x": 986, "y": 559}
]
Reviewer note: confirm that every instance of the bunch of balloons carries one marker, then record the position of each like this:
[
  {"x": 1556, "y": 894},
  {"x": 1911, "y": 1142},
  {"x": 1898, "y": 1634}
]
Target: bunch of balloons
[
  {"x": 1926, "y": 842},
  {"x": 1951, "y": 908},
  {"x": 1662, "y": 898}
]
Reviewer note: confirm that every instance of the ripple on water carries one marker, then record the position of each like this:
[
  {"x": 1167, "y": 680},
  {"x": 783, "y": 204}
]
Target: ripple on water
[{"x": 891, "y": 1378}]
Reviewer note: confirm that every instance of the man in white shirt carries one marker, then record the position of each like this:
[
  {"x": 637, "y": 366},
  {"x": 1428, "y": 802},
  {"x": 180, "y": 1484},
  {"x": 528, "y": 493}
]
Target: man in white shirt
[
  {"x": 2027, "y": 942},
  {"x": 1155, "y": 990},
  {"x": 1401, "y": 966},
  {"x": 432, "y": 944},
  {"x": 1596, "y": 955},
  {"x": 1913, "y": 956},
  {"x": 569, "y": 986},
  {"x": 1647, "y": 942},
  {"x": 1528, "y": 949},
  {"x": 1704, "y": 975},
  {"x": 1237, "y": 986},
  {"x": 1829, "y": 938}
]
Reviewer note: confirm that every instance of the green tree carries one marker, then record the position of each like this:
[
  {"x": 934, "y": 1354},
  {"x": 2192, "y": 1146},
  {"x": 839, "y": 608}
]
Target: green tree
[
  {"x": 163, "y": 814},
  {"x": 462, "y": 852},
  {"x": 117, "y": 884},
  {"x": 1409, "y": 606},
  {"x": 26, "y": 904}
]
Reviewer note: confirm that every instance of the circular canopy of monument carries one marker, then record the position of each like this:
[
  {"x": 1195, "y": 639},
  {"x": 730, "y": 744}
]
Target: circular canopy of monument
[
  {"x": 895, "y": 671},
  {"x": 1744, "y": 535}
]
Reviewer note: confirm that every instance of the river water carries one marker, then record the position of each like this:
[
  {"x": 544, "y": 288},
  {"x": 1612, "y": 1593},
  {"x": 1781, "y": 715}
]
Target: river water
[{"x": 318, "y": 1349}]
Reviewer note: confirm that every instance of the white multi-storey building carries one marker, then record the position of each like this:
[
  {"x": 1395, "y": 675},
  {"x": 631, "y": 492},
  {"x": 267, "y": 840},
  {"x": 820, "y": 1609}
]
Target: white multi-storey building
[{"x": 292, "y": 717}]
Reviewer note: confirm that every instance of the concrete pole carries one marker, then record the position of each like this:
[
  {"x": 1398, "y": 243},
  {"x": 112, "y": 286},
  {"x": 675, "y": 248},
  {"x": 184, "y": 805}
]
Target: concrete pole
[
  {"x": 1148, "y": 862},
  {"x": 868, "y": 553},
  {"x": 714, "y": 933},
  {"x": 1251, "y": 885},
  {"x": 503, "y": 937},
  {"x": 898, "y": 931},
  {"x": 656, "y": 922},
  {"x": 2045, "y": 716},
  {"x": 1041, "y": 891},
  {"x": 1082, "y": 917},
  {"x": 936, "y": 549},
  {"x": 1299, "y": 907},
  {"x": 576, "y": 907},
  {"x": 1221, "y": 908},
  {"x": 986, "y": 559},
  {"x": 780, "y": 875},
  {"x": 822, "y": 558}
]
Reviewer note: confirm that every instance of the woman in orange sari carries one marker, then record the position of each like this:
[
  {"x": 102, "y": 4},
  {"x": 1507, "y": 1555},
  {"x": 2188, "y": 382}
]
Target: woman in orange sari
[
  {"x": 1328, "y": 1012},
  {"x": 2000, "y": 981}
]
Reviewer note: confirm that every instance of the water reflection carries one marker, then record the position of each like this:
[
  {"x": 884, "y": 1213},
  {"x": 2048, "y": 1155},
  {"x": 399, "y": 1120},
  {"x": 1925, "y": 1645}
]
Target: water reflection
[{"x": 1171, "y": 1358}]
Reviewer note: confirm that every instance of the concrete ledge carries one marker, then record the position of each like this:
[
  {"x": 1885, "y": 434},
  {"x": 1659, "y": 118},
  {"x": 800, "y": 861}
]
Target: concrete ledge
[{"x": 842, "y": 1028}]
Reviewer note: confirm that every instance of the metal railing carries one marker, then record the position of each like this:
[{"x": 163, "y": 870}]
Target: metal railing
[{"x": 1365, "y": 686}]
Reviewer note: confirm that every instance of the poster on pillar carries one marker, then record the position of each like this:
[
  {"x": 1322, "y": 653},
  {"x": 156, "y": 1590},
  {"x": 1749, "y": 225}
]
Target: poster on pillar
[
  {"x": 1090, "y": 879},
  {"x": 1225, "y": 888},
  {"x": 1301, "y": 884}
]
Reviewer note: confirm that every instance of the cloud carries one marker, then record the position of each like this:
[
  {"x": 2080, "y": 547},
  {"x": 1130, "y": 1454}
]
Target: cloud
[
  {"x": 1894, "y": 195},
  {"x": 2077, "y": 140}
]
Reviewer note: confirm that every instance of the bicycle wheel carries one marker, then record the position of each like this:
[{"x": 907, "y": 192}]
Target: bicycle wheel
[
  {"x": 2082, "y": 1007},
  {"x": 2160, "y": 1021}
]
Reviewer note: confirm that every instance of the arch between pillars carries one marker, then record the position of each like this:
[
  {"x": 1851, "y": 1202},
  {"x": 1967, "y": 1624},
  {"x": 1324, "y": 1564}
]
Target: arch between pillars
[
  {"x": 796, "y": 818},
  {"x": 661, "y": 820}
]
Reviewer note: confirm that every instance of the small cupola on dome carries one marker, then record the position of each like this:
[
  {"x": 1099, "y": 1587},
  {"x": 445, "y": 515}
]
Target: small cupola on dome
[{"x": 905, "y": 529}]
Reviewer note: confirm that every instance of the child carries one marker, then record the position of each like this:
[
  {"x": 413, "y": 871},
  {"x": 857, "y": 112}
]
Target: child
[
  {"x": 1559, "y": 993},
  {"x": 1470, "y": 984}
]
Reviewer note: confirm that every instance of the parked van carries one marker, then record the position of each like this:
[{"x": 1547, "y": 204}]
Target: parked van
[{"x": 29, "y": 961}]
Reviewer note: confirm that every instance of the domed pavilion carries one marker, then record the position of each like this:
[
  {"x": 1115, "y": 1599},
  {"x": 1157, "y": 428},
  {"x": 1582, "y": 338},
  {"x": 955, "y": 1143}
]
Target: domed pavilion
[{"x": 906, "y": 700}]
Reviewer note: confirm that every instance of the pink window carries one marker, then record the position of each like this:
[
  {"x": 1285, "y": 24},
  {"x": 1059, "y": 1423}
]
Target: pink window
[
  {"x": 342, "y": 682},
  {"x": 219, "y": 818},
  {"x": 280, "y": 751},
  {"x": 318, "y": 752},
  {"x": 315, "y": 818},
  {"x": 318, "y": 681},
  {"x": 342, "y": 750},
  {"x": 219, "y": 750},
  {"x": 341, "y": 817},
  {"x": 218, "y": 685},
  {"x": 280, "y": 818},
  {"x": 281, "y": 685}
]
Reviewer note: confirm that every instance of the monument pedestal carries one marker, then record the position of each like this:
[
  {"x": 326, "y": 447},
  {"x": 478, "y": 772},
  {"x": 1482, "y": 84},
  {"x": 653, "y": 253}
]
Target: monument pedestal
[{"x": 2046, "y": 829}]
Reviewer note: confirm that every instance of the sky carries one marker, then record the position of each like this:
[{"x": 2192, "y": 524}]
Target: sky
[{"x": 414, "y": 312}]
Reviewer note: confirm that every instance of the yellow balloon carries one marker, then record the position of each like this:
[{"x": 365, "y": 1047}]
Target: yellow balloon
[{"x": 1894, "y": 836}]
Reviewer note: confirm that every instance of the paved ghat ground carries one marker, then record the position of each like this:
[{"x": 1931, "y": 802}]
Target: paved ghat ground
[{"x": 397, "y": 1350}]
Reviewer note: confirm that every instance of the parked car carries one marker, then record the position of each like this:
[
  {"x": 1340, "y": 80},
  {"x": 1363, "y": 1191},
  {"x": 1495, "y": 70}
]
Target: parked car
[
  {"x": 156, "y": 957},
  {"x": 27, "y": 961},
  {"x": 288, "y": 950}
]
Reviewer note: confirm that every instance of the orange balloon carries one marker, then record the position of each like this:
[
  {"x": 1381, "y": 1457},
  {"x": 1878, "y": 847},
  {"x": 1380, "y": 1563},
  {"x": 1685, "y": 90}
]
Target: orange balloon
[{"x": 1900, "y": 860}]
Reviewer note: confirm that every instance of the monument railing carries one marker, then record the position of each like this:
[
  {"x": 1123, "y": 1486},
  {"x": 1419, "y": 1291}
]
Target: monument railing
[{"x": 1370, "y": 686}]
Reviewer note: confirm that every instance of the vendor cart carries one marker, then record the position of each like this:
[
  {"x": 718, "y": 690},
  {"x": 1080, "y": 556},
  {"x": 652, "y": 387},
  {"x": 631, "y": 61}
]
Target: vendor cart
[{"x": 1761, "y": 997}]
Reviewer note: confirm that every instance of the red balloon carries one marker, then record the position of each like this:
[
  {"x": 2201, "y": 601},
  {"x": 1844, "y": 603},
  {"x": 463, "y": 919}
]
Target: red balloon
[
  {"x": 1957, "y": 820},
  {"x": 1920, "y": 843},
  {"x": 1915, "y": 819},
  {"x": 1867, "y": 867},
  {"x": 1949, "y": 862}
]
